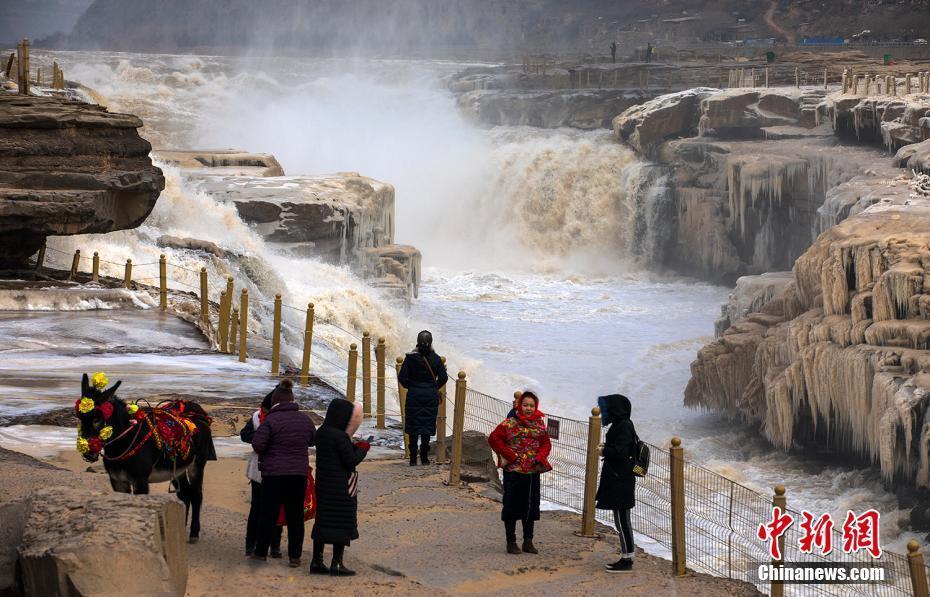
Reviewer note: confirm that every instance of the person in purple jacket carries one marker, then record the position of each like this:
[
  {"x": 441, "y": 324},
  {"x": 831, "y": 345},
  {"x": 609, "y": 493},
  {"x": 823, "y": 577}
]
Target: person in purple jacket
[{"x": 281, "y": 442}]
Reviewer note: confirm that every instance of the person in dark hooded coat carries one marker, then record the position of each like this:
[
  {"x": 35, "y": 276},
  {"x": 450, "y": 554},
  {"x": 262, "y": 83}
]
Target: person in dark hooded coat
[
  {"x": 617, "y": 489},
  {"x": 337, "y": 503},
  {"x": 422, "y": 373}
]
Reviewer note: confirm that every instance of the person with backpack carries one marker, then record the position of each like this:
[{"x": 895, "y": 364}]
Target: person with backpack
[
  {"x": 422, "y": 373},
  {"x": 522, "y": 446},
  {"x": 617, "y": 488}
]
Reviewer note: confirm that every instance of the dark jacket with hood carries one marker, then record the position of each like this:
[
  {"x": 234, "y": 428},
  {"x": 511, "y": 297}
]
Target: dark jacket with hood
[
  {"x": 422, "y": 391},
  {"x": 617, "y": 488},
  {"x": 281, "y": 441},
  {"x": 336, "y": 458}
]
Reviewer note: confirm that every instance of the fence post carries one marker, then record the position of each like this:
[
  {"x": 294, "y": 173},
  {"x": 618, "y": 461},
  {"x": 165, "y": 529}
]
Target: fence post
[
  {"x": 915, "y": 561},
  {"x": 230, "y": 297},
  {"x": 797, "y": 77},
  {"x": 204, "y": 303},
  {"x": 441, "y": 422},
  {"x": 234, "y": 326},
  {"x": 766, "y": 77},
  {"x": 75, "y": 262},
  {"x": 824, "y": 78},
  {"x": 402, "y": 398},
  {"x": 40, "y": 259},
  {"x": 243, "y": 324},
  {"x": 24, "y": 82},
  {"x": 95, "y": 268},
  {"x": 677, "y": 483},
  {"x": 458, "y": 428},
  {"x": 9, "y": 65},
  {"x": 353, "y": 367},
  {"x": 379, "y": 358},
  {"x": 127, "y": 276},
  {"x": 366, "y": 375},
  {"x": 590, "y": 474},
  {"x": 162, "y": 283},
  {"x": 225, "y": 300},
  {"x": 779, "y": 500},
  {"x": 308, "y": 343},
  {"x": 276, "y": 336}
]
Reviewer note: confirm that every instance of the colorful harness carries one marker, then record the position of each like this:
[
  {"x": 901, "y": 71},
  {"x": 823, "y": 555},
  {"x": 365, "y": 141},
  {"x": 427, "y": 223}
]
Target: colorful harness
[{"x": 172, "y": 426}]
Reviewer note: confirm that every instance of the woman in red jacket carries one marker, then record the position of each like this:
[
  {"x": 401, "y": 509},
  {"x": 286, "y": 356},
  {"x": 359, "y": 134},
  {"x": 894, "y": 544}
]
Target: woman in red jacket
[{"x": 522, "y": 446}]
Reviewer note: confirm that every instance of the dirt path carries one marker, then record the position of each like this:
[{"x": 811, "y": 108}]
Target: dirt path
[
  {"x": 769, "y": 19},
  {"x": 418, "y": 537}
]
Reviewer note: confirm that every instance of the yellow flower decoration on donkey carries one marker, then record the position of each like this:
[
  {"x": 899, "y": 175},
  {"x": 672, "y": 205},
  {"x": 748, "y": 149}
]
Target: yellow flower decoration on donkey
[
  {"x": 106, "y": 433},
  {"x": 99, "y": 380},
  {"x": 82, "y": 445},
  {"x": 85, "y": 405}
]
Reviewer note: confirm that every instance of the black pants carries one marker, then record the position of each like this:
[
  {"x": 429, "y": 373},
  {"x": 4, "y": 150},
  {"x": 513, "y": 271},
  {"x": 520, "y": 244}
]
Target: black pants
[
  {"x": 510, "y": 527},
  {"x": 289, "y": 491},
  {"x": 338, "y": 551},
  {"x": 251, "y": 528},
  {"x": 424, "y": 447},
  {"x": 625, "y": 530}
]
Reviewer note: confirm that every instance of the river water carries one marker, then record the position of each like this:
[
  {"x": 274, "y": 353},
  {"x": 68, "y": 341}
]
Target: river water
[{"x": 527, "y": 238}]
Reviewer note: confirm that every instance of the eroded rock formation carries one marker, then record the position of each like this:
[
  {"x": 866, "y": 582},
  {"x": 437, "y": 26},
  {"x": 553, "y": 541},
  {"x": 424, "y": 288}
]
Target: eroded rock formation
[
  {"x": 80, "y": 542},
  {"x": 343, "y": 218},
  {"x": 67, "y": 167}
]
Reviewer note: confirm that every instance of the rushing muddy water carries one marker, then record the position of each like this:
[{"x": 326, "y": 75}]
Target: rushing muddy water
[{"x": 534, "y": 273}]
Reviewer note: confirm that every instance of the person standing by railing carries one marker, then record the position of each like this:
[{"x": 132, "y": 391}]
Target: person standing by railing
[
  {"x": 617, "y": 489},
  {"x": 255, "y": 480},
  {"x": 522, "y": 446},
  {"x": 422, "y": 374}
]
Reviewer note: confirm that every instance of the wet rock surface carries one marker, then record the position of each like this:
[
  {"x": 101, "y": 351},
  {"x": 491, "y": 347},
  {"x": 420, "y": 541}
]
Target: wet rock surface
[{"x": 67, "y": 167}]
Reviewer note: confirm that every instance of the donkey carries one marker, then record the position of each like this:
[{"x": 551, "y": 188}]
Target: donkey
[{"x": 135, "y": 451}]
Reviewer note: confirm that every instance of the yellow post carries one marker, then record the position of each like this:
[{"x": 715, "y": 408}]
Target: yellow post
[
  {"x": 26, "y": 66},
  {"x": 677, "y": 482},
  {"x": 915, "y": 561},
  {"x": 590, "y": 473},
  {"x": 276, "y": 337},
  {"x": 379, "y": 359},
  {"x": 40, "y": 259},
  {"x": 74, "y": 264},
  {"x": 779, "y": 500},
  {"x": 9, "y": 65},
  {"x": 54, "y": 75},
  {"x": 366, "y": 374},
  {"x": 204, "y": 300},
  {"x": 353, "y": 366},
  {"x": 243, "y": 323},
  {"x": 308, "y": 343},
  {"x": 402, "y": 397},
  {"x": 458, "y": 428},
  {"x": 162, "y": 283},
  {"x": 225, "y": 300},
  {"x": 95, "y": 269},
  {"x": 824, "y": 78},
  {"x": 234, "y": 326},
  {"x": 127, "y": 276},
  {"x": 224, "y": 334},
  {"x": 441, "y": 423},
  {"x": 797, "y": 77},
  {"x": 39, "y": 76}
]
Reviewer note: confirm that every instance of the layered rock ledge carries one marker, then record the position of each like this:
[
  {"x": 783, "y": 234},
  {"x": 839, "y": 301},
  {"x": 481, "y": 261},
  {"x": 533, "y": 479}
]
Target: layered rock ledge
[
  {"x": 67, "y": 167},
  {"x": 342, "y": 219}
]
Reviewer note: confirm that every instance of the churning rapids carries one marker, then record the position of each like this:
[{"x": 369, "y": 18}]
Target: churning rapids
[{"x": 527, "y": 237}]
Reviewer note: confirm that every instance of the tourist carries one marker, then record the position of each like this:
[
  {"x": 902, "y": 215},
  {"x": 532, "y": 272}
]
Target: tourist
[
  {"x": 337, "y": 485},
  {"x": 522, "y": 447},
  {"x": 255, "y": 480},
  {"x": 617, "y": 487},
  {"x": 281, "y": 442},
  {"x": 422, "y": 374},
  {"x": 613, "y": 52}
]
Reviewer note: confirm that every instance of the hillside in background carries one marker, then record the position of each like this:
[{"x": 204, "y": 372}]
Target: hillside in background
[
  {"x": 485, "y": 27},
  {"x": 38, "y": 18}
]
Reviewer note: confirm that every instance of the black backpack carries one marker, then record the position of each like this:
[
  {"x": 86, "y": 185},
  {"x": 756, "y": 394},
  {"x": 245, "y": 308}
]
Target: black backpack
[{"x": 640, "y": 457}]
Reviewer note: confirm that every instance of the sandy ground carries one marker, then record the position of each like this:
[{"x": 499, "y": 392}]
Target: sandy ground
[{"x": 418, "y": 536}]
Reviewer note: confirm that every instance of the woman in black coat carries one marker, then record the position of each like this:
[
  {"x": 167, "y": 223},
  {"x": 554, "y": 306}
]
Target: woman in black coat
[
  {"x": 336, "y": 500},
  {"x": 422, "y": 374},
  {"x": 617, "y": 489}
]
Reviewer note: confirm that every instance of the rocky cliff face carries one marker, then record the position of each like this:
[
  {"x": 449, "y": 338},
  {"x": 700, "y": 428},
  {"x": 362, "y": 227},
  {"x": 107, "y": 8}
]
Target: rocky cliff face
[
  {"x": 748, "y": 174},
  {"x": 837, "y": 351},
  {"x": 69, "y": 168},
  {"x": 343, "y": 218}
]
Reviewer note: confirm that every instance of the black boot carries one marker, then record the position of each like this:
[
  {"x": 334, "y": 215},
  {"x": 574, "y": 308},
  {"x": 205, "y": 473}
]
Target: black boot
[
  {"x": 424, "y": 452},
  {"x": 336, "y": 568},
  {"x": 316, "y": 564},
  {"x": 512, "y": 547}
]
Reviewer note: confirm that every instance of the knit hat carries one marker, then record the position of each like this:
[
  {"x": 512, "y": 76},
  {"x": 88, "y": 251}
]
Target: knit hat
[{"x": 283, "y": 393}]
